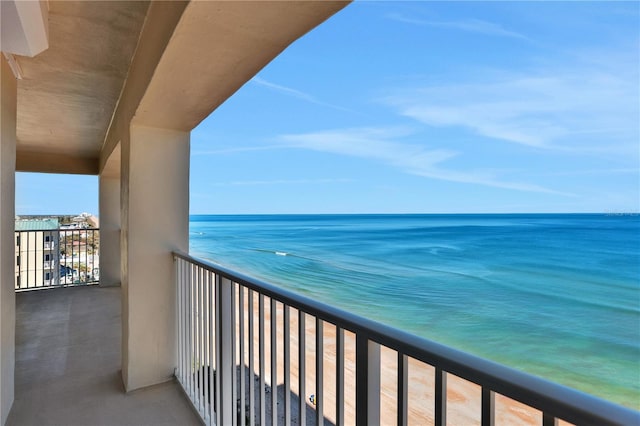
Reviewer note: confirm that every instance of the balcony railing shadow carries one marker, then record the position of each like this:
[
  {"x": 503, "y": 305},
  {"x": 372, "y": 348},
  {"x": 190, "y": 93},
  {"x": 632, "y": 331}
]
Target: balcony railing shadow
[{"x": 204, "y": 394}]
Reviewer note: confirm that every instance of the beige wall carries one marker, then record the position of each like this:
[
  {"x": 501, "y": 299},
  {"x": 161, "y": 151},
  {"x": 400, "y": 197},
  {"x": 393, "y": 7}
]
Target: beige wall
[
  {"x": 109, "y": 185},
  {"x": 155, "y": 222},
  {"x": 8, "y": 100}
]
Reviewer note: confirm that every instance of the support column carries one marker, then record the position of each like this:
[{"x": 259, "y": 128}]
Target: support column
[
  {"x": 155, "y": 221},
  {"x": 8, "y": 94},
  {"x": 109, "y": 184}
]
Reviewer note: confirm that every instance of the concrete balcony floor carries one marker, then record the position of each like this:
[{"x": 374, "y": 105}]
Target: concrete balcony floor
[{"x": 67, "y": 372}]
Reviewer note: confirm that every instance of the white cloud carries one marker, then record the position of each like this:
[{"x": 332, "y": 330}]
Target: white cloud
[
  {"x": 558, "y": 109},
  {"x": 469, "y": 25},
  {"x": 375, "y": 143},
  {"x": 239, "y": 149},
  {"x": 381, "y": 144},
  {"x": 618, "y": 171},
  {"x": 295, "y": 93},
  {"x": 283, "y": 182}
]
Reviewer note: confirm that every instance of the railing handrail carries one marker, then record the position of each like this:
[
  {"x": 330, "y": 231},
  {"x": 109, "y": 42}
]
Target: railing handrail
[{"x": 557, "y": 400}]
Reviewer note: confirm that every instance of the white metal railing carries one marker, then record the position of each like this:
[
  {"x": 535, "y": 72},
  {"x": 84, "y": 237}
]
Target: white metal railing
[{"x": 246, "y": 356}]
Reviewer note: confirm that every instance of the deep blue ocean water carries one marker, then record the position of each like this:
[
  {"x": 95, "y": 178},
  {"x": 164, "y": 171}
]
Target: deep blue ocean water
[{"x": 556, "y": 295}]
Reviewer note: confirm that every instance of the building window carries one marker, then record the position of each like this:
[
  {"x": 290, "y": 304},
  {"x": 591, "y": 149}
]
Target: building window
[
  {"x": 18, "y": 260},
  {"x": 18, "y": 240},
  {"x": 47, "y": 276},
  {"x": 47, "y": 238},
  {"x": 47, "y": 257}
]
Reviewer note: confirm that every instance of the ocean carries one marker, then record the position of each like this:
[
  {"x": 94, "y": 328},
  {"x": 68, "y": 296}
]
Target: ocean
[{"x": 555, "y": 295}]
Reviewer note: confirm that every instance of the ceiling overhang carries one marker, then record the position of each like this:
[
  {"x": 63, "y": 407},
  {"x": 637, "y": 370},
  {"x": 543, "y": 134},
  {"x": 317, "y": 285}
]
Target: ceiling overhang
[{"x": 159, "y": 64}]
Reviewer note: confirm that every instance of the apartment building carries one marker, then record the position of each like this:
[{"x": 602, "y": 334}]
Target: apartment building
[{"x": 37, "y": 252}]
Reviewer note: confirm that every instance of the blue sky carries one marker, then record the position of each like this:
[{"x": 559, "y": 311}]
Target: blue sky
[{"x": 428, "y": 107}]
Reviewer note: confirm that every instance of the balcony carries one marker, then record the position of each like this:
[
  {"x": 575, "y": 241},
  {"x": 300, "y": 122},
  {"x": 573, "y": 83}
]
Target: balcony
[{"x": 68, "y": 355}]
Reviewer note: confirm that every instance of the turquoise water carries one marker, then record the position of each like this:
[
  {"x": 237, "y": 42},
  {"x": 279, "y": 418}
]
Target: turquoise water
[{"x": 554, "y": 295}]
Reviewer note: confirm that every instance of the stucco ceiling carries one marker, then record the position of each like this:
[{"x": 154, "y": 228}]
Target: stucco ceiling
[
  {"x": 159, "y": 64},
  {"x": 68, "y": 92}
]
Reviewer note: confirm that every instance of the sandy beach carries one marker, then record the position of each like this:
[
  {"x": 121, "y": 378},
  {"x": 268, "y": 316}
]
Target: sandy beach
[{"x": 463, "y": 397}]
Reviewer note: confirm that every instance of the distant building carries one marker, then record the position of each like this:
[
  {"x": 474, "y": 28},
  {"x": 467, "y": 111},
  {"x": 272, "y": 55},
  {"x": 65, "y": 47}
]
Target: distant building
[{"x": 37, "y": 252}]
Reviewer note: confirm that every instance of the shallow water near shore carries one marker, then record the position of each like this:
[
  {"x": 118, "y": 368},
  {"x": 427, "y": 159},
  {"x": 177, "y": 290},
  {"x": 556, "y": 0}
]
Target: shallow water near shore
[{"x": 556, "y": 295}]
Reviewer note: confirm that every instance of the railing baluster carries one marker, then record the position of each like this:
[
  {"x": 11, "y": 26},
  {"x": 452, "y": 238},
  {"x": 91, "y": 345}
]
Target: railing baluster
[
  {"x": 339, "y": 375},
  {"x": 39, "y": 265},
  {"x": 198, "y": 362},
  {"x": 440, "y": 397},
  {"x": 194, "y": 357},
  {"x": 203, "y": 341},
  {"x": 194, "y": 334},
  {"x": 274, "y": 362},
  {"x": 204, "y": 344},
  {"x": 176, "y": 273},
  {"x": 549, "y": 420},
  {"x": 241, "y": 311},
  {"x": 201, "y": 321},
  {"x": 287, "y": 365},
  {"x": 302, "y": 353},
  {"x": 261, "y": 351},
  {"x": 73, "y": 257},
  {"x": 362, "y": 379},
  {"x": 373, "y": 383},
  {"x": 210, "y": 345},
  {"x": 183, "y": 315},
  {"x": 190, "y": 346},
  {"x": 234, "y": 381},
  {"x": 252, "y": 397},
  {"x": 28, "y": 259},
  {"x": 219, "y": 365},
  {"x": 86, "y": 259},
  {"x": 403, "y": 386},
  {"x": 185, "y": 324},
  {"x": 319, "y": 372},
  {"x": 367, "y": 381},
  {"x": 488, "y": 407},
  {"x": 227, "y": 370}
]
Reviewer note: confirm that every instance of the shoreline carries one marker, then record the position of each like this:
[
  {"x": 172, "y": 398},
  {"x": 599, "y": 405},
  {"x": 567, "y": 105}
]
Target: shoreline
[{"x": 463, "y": 397}]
